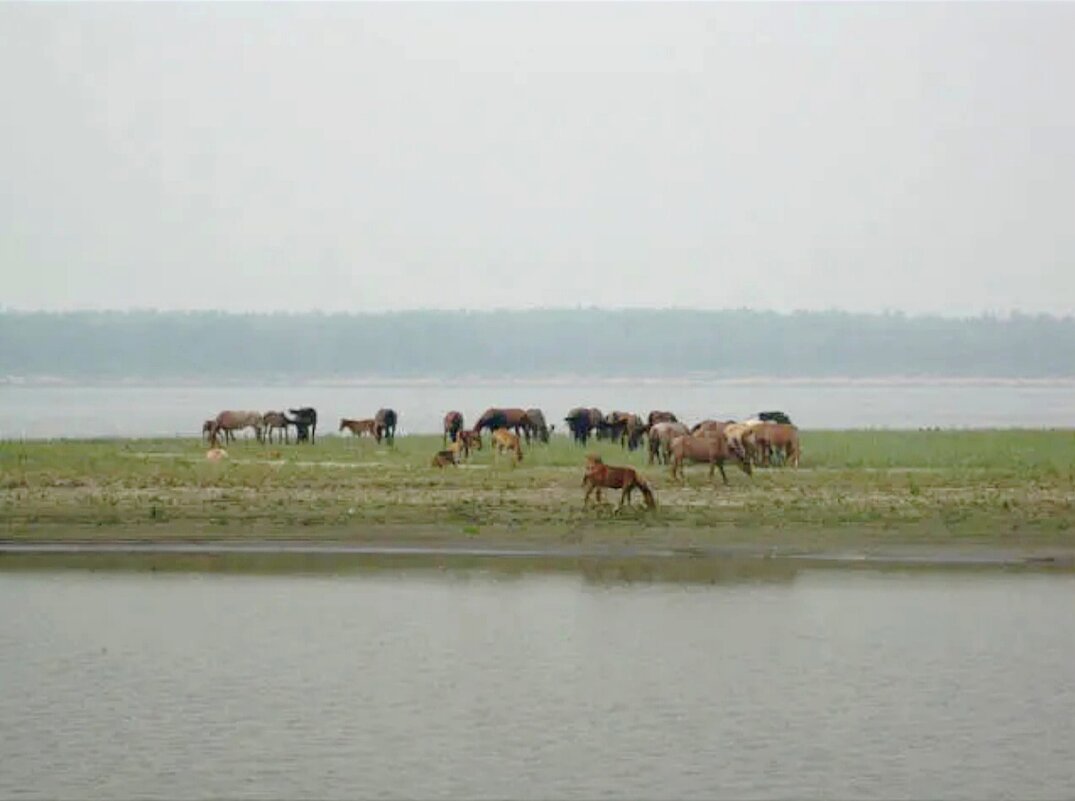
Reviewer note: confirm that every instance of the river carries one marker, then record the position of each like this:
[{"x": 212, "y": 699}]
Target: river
[
  {"x": 143, "y": 410},
  {"x": 479, "y": 683}
]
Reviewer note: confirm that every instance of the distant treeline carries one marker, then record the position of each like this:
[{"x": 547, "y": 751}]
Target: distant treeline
[{"x": 216, "y": 345}]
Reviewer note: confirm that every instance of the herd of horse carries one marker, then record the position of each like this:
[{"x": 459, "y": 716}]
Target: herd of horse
[{"x": 770, "y": 439}]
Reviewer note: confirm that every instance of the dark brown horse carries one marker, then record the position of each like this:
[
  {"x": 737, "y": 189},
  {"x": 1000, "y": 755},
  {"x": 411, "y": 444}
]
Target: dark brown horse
[
  {"x": 495, "y": 417},
  {"x": 600, "y": 475},
  {"x": 581, "y": 422},
  {"x": 385, "y": 420},
  {"x": 453, "y": 424},
  {"x": 660, "y": 417},
  {"x": 538, "y": 428}
]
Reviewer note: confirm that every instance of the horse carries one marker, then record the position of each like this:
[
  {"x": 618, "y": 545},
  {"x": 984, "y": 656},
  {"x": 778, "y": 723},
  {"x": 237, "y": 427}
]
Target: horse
[
  {"x": 275, "y": 421},
  {"x": 580, "y": 422},
  {"x": 743, "y": 436},
  {"x": 599, "y": 475},
  {"x": 494, "y": 418},
  {"x": 504, "y": 440},
  {"x": 660, "y": 440},
  {"x": 466, "y": 441},
  {"x": 614, "y": 427},
  {"x": 710, "y": 426},
  {"x": 359, "y": 427},
  {"x": 660, "y": 417},
  {"x": 444, "y": 458},
  {"x": 207, "y": 430},
  {"x": 453, "y": 424},
  {"x": 633, "y": 432},
  {"x": 231, "y": 421},
  {"x": 714, "y": 450},
  {"x": 537, "y": 428},
  {"x": 305, "y": 417},
  {"x": 774, "y": 417},
  {"x": 784, "y": 439},
  {"x": 385, "y": 420}
]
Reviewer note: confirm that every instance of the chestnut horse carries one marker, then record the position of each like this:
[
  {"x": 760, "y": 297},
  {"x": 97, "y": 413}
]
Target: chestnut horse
[
  {"x": 453, "y": 424},
  {"x": 231, "y": 421},
  {"x": 599, "y": 475},
  {"x": 466, "y": 441}
]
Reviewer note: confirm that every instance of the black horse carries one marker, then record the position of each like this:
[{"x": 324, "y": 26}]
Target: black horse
[
  {"x": 581, "y": 422},
  {"x": 304, "y": 418},
  {"x": 385, "y": 427}
]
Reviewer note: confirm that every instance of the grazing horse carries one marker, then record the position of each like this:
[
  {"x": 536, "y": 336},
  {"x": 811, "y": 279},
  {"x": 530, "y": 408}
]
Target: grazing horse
[
  {"x": 466, "y": 441},
  {"x": 207, "y": 430},
  {"x": 599, "y": 475},
  {"x": 453, "y": 424},
  {"x": 634, "y": 431},
  {"x": 494, "y": 418},
  {"x": 581, "y": 422},
  {"x": 359, "y": 427},
  {"x": 660, "y": 440},
  {"x": 444, "y": 458},
  {"x": 714, "y": 450},
  {"x": 276, "y": 421},
  {"x": 231, "y": 421},
  {"x": 784, "y": 439},
  {"x": 305, "y": 417},
  {"x": 504, "y": 440},
  {"x": 386, "y": 420},
  {"x": 660, "y": 417},
  {"x": 537, "y": 428}
]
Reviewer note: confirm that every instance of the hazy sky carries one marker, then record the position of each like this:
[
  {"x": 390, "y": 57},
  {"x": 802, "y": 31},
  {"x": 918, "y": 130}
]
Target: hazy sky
[{"x": 369, "y": 157}]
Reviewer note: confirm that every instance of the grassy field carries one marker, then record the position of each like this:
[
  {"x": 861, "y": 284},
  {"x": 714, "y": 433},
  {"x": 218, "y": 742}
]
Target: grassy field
[{"x": 856, "y": 489}]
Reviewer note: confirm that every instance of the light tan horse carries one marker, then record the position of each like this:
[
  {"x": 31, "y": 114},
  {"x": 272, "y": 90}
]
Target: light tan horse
[
  {"x": 359, "y": 427},
  {"x": 660, "y": 440},
  {"x": 713, "y": 450},
  {"x": 504, "y": 440}
]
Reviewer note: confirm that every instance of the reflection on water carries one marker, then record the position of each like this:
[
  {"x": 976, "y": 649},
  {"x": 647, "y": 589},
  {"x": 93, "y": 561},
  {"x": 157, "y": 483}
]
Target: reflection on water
[{"x": 482, "y": 679}]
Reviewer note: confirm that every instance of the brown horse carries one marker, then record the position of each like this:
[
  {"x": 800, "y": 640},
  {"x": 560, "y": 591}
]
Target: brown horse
[
  {"x": 231, "y": 421},
  {"x": 443, "y": 459},
  {"x": 385, "y": 428},
  {"x": 359, "y": 427},
  {"x": 784, "y": 439},
  {"x": 276, "y": 421},
  {"x": 504, "y": 440},
  {"x": 599, "y": 475},
  {"x": 466, "y": 441},
  {"x": 453, "y": 424},
  {"x": 207, "y": 430},
  {"x": 537, "y": 428},
  {"x": 713, "y": 449},
  {"x": 581, "y": 422}
]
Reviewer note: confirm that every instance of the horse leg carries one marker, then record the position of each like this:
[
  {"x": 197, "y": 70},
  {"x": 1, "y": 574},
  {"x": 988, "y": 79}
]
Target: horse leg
[{"x": 722, "y": 473}]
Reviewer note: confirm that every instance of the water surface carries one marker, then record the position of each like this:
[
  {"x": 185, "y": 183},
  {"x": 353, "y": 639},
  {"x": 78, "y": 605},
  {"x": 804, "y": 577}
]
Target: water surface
[
  {"x": 161, "y": 410},
  {"x": 475, "y": 683}
]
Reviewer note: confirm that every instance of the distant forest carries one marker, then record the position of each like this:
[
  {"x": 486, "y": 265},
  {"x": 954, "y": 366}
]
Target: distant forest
[{"x": 221, "y": 346}]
